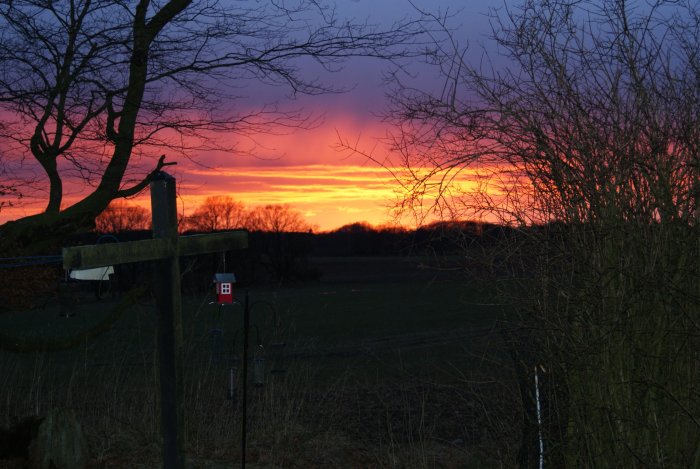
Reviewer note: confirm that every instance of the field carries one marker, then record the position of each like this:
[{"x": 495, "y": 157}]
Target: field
[{"x": 383, "y": 362}]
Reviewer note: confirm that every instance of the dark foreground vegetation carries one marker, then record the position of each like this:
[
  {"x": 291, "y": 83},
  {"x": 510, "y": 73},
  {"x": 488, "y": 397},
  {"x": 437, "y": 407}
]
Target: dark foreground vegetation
[
  {"x": 375, "y": 362},
  {"x": 272, "y": 257},
  {"x": 384, "y": 348}
]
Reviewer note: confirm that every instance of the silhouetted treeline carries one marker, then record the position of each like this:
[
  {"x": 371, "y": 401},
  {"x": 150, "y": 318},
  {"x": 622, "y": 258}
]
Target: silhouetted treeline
[
  {"x": 441, "y": 238},
  {"x": 286, "y": 256},
  {"x": 274, "y": 257},
  {"x": 355, "y": 239}
]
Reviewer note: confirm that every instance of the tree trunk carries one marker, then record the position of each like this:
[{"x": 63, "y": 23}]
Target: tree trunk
[{"x": 55, "y": 192}]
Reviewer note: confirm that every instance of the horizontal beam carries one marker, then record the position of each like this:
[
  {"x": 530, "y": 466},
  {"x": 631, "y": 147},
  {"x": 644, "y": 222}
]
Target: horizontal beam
[
  {"x": 99, "y": 255},
  {"x": 213, "y": 242}
]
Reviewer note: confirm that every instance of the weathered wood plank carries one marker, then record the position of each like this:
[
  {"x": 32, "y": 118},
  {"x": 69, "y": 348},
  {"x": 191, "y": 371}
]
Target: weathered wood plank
[
  {"x": 214, "y": 242},
  {"x": 98, "y": 255}
]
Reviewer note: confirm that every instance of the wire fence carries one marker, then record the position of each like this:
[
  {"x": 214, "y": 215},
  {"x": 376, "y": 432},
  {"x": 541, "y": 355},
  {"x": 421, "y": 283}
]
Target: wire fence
[
  {"x": 26, "y": 261},
  {"x": 300, "y": 380}
]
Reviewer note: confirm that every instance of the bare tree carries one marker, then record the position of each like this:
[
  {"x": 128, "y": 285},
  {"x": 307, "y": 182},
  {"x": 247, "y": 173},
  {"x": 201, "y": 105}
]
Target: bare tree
[
  {"x": 276, "y": 218},
  {"x": 120, "y": 216},
  {"x": 585, "y": 135},
  {"x": 218, "y": 213},
  {"x": 282, "y": 239},
  {"x": 91, "y": 88}
]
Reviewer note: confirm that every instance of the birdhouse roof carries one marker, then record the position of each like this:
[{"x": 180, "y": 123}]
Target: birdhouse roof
[{"x": 224, "y": 278}]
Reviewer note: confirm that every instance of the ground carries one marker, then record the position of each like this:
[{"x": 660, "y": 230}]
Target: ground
[{"x": 383, "y": 362}]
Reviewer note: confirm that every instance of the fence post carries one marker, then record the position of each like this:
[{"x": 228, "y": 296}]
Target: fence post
[{"x": 170, "y": 339}]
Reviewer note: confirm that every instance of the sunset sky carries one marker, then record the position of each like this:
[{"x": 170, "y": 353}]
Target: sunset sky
[{"x": 304, "y": 167}]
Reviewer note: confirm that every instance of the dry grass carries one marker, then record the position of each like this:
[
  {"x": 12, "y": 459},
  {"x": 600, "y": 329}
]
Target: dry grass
[
  {"x": 381, "y": 409},
  {"x": 293, "y": 421}
]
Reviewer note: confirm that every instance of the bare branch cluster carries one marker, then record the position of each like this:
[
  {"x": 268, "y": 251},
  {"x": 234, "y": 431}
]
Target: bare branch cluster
[
  {"x": 597, "y": 111},
  {"x": 585, "y": 134}
]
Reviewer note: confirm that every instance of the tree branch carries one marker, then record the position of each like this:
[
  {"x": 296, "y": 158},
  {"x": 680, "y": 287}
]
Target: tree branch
[{"x": 135, "y": 189}]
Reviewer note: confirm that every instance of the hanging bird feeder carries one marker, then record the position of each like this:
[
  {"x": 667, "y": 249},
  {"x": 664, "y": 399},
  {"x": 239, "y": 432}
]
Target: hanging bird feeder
[{"x": 224, "y": 288}]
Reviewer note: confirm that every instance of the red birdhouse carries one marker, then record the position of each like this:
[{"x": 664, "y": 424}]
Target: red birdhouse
[{"x": 224, "y": 288}]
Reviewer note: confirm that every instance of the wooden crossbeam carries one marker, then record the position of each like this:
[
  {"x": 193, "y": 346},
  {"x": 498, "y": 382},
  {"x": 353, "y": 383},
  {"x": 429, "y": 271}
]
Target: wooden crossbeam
[{"x": 100, "y": 255}]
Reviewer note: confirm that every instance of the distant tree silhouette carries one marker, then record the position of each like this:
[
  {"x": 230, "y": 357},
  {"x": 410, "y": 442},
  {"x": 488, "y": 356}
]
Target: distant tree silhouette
[
  {"x": 357, "y": 227},
  {"x": 391, "y": 229},
  {"x": 281, "y": 237},
  {"x": 218, "y": 213},
  {"x": 363, "y": 239},
  {"x": 121, "y": 216},
  {"x": 277, "y": 218}
]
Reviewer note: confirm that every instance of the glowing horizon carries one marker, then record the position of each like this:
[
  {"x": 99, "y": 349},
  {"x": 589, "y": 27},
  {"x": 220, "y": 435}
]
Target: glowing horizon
[
  {"x": 302, "y": 168},
  {"x": 329, "y": 196}
]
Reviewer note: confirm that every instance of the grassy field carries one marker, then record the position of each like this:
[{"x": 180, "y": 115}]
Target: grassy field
[{"x": 384, "y": 363}]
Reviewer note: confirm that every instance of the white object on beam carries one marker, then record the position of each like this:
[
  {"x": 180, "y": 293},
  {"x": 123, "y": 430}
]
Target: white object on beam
[{"x": 98, "y": 273}]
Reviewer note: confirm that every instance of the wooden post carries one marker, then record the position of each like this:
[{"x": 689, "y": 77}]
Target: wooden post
[
  {"x": 244, "y": 409},
  {"x": 170, "y": 340}
]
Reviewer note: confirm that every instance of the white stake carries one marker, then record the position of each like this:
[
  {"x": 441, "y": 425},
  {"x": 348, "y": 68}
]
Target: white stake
[{"x": 539, "y": 418}]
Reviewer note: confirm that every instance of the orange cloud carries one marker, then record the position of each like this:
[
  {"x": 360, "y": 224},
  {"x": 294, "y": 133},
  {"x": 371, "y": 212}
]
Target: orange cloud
[{"x": 329, "y": 195}]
